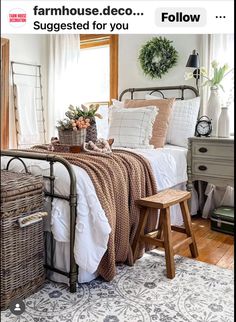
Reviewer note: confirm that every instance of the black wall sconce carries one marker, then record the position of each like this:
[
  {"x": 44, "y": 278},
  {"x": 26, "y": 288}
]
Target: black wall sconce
[{"x": 194, "y": 62}]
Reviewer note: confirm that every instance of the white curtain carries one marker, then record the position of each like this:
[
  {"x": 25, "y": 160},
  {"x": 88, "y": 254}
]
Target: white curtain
[
  {"x": 64, "y": 53},
  {"x": 219, "y": 47}
]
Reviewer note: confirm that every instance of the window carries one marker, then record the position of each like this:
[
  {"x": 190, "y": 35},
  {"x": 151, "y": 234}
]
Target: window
[{"x": 98, "y": 79}]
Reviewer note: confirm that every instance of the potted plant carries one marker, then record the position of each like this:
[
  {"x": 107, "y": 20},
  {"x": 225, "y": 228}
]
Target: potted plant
[
  {"x": 73, "y": 131},
  {"x": 79, "y": 126},
  {"x": 88, "y": 113},
  {"x": 215, "y": 83},
  {"x": 213, "y": 79}
]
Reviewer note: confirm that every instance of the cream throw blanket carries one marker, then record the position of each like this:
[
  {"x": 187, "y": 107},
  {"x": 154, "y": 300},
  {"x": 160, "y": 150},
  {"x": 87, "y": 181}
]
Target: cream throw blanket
[{"x": 119, "y": 179}]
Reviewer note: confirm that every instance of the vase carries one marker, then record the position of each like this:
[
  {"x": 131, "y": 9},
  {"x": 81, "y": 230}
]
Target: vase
[
  {"x": 92, "y": 131},
  {"x": 223, "y": 123},
  {"x": 213, "y": 109}
]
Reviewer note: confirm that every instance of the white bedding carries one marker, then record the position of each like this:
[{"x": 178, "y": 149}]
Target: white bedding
[
  {"x": 92, "y": 228},
  {"x": 169, "y": 165}
]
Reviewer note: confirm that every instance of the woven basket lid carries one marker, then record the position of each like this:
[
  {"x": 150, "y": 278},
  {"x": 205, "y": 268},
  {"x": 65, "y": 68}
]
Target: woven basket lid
[{"x": 18, "y": 184}]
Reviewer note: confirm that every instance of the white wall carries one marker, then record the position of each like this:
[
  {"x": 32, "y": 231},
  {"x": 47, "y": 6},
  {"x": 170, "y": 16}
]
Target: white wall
[
  {"x": 130, "y": 72},
  {"x": 27, "y": 48},
  {"x": 32, "y": 49}
]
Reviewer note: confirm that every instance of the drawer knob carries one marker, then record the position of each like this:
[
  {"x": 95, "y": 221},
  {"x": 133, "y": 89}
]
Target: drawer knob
[
  {"x": 203, "y": 150},
  {"x": 202, "y": 167}
]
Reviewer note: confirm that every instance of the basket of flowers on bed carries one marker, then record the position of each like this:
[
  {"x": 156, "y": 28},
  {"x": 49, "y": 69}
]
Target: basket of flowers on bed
[{"x": 79, "y": 126}]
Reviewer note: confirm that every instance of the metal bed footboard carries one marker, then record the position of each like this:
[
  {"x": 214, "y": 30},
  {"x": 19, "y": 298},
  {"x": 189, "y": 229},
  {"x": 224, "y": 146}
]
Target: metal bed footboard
[{"x": 71, "y": 198}]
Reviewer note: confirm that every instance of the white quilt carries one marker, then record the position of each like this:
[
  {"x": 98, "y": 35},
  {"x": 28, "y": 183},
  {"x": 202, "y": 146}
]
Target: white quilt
[
  {"x": 92, "y": 227},
  {"x": 168, "y": 164}
]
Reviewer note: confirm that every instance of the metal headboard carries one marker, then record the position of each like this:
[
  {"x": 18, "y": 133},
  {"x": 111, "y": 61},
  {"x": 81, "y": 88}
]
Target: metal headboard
[{"x": 152, "y": 90}]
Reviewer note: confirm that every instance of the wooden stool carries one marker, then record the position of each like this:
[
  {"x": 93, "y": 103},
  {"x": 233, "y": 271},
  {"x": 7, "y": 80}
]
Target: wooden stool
[{"x": 162, "y": 236}]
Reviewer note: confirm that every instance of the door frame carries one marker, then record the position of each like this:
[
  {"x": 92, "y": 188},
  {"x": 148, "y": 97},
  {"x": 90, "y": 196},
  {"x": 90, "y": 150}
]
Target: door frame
[{"x": 5, "y": 93}]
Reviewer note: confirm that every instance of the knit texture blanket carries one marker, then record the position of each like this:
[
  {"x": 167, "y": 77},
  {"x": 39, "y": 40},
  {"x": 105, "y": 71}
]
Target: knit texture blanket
[{"x": 119, "y": 178}]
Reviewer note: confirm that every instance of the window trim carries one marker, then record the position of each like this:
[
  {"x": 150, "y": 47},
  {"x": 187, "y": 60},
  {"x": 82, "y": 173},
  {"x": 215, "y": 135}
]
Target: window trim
[{"x": 91, "y": 40}]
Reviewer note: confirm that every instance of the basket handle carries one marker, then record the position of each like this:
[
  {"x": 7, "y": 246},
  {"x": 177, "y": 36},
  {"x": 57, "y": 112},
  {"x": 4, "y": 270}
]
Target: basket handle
[
  {"x": 31, "y": 219},
  {"x": 17, "y": 158}
]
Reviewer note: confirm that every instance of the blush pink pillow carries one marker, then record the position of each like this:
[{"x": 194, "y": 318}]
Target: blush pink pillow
[{"x": 160, "y": 126}]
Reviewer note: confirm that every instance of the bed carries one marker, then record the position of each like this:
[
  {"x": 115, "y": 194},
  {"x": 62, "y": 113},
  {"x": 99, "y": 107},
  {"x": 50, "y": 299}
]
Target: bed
[{"x": 70, "y": 234}]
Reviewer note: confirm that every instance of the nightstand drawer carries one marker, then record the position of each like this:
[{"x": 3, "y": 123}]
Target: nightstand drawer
[
  {"x": 209, "y": 149},
  {"x": 210, "y": 168}
]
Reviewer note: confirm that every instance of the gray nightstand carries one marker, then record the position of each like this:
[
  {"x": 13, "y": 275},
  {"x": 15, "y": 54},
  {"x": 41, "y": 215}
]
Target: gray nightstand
[{"x": 210, "y": 159}]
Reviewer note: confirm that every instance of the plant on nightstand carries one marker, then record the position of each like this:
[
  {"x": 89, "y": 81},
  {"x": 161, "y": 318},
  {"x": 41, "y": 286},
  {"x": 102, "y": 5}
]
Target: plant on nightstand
[
  {"x": 214, "y": 104},
  {"x": 213, "y": 79}
]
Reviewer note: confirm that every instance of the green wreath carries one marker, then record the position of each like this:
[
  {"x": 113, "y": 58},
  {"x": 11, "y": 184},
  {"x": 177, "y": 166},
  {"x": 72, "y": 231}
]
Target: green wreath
[{"x": 157, "y": 56}]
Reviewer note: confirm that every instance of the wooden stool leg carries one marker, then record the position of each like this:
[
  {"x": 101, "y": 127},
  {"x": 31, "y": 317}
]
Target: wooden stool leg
[
  {"x": 188, "y": 227},
  {"x": 140, "y": 231},
  {"x": 160, "y": 225},
  {"x": 169, "y": 252}
]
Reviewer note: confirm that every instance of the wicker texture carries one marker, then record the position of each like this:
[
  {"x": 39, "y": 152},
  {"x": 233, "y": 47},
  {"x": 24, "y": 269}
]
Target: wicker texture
[
  {"x": 22, "y": 249},
  {"x": 72, "y": 137},
  {"x": 92, "y": 134}
]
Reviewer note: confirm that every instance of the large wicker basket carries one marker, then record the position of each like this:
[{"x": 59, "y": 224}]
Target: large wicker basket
[
  {"x": 22, "y": 248},
  {"x": 72, "y": 137}
]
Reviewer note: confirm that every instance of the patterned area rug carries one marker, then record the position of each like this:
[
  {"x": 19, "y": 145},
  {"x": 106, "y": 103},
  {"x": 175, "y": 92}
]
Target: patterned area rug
[{"x": 142, "y": 293}]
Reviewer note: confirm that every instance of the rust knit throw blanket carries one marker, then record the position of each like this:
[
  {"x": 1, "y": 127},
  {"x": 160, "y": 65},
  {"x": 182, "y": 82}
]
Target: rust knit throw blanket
[{"x": 119, "y": 179}]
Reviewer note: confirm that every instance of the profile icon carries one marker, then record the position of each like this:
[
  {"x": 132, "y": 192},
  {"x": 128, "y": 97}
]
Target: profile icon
[{"x": 17, "y": 307}]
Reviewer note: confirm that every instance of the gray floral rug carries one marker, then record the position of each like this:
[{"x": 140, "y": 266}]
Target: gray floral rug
[{"x": 199, "y": 293}]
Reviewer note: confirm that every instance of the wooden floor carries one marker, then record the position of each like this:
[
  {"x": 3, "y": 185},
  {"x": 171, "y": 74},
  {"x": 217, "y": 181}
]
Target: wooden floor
[{"x": 213, "y": 247}]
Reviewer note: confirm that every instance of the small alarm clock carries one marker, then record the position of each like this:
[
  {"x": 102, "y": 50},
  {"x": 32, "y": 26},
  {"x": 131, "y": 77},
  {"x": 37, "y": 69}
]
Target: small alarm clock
[{"x": 203, "y": 126}]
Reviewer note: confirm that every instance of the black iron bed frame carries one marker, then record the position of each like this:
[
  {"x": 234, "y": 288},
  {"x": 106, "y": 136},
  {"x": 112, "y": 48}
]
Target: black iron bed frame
[
  {"x": 72, "y": 196},
  {"x": 181, "y": 88}
]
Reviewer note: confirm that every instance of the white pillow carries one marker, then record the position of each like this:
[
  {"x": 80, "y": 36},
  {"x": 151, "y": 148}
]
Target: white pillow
[
  {"x": 183, "y": 121},
  {"x": 118, "y": 104},
  {"x": 132, "y": 127}
]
